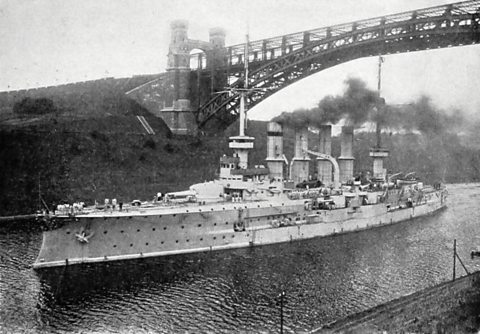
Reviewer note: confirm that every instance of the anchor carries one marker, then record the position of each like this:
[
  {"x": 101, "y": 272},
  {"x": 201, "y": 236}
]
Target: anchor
[{"x": 82, "y": 237}]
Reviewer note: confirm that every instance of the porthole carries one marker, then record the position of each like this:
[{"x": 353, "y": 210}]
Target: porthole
[
  {"x": 121, "y": 231},
  {"x": 201, "y": 239},
  {"x": 226, "y": 223},
  {"x": 188, "y": 240},
  {"x": 153, "y": 229},
  {"x": 233, "y": 236},
  {"x": 214, "y": 224},
  {"x": 131, "y": 245},
  {"x": 223, "y": 237},
  {"x": 176, "y": 241},
  {"x": 114, "y": 246},
  {"x": 183, "y": 226},
  {"x": 104, "y": 232},
  {"x": 146, "y": 244},
  {"x": 174, "y": 215},
  {"x": 68, "y": 232},
  {"x": 138, "y": 230},
  {"x": 214, "y": 238},
  {"x": 199, "y": 225},
  {"x": 161, "y": 242},
  {"x": 164, "y": 228}
]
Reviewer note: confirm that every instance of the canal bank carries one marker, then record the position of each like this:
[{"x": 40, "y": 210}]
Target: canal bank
[{"x": 450, "y": 307}]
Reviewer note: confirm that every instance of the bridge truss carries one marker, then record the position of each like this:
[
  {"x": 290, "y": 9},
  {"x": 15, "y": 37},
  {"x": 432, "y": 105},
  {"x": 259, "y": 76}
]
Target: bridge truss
[{"x": 280, "y": 61}]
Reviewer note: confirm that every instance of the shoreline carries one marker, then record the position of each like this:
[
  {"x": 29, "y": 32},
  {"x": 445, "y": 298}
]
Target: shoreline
[{"x": 449, "y": 307}]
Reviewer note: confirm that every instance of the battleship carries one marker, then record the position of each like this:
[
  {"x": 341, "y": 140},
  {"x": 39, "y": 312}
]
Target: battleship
[{"x": 245, "y": 206}]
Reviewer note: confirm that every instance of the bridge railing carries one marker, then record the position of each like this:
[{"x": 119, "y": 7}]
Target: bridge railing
[{"x": 275, "y": 47}]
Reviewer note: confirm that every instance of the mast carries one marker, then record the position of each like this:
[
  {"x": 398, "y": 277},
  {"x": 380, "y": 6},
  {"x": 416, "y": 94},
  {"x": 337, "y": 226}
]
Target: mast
[
  {"x": 378, "y": 153},
  {"x": 241, "y": 144},
  {"x": 243, "y": 112},
  {"x": 380, "y": 103}
]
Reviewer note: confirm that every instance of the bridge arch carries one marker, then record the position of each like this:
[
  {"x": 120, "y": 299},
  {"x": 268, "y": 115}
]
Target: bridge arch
[{"x": 314, "y": 51}]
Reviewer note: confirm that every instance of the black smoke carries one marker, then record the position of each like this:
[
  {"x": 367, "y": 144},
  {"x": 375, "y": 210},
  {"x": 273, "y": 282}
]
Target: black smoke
[
  {"x": 359, "y": 105},
  {"x": 422, "y": 116},
  {"x": 354, "y": 106}
]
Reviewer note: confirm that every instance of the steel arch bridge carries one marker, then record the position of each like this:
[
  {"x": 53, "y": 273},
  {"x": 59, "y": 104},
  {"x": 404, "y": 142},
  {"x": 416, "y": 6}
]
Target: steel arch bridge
[{"x": 278, "y": 62}]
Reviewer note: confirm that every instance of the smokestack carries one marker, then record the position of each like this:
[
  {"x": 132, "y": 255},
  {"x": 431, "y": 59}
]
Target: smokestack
[
  {"x": 275, "y": 159},
  {"x": 379, "y": 154},
  {"x": 345, "y": 160},
  {"x": 324, "y": 167},
  {"x": 301, "y": 160}
]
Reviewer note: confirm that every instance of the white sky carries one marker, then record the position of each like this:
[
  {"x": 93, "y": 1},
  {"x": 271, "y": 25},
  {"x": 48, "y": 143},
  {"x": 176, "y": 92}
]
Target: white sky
[{"x": 50, "y": 42}]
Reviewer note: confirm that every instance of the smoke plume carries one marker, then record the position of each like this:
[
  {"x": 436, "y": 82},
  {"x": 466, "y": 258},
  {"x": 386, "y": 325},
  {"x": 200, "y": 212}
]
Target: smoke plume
[
  {"x": 354, "y": 106},
  {"x": 359, "y": 105}
]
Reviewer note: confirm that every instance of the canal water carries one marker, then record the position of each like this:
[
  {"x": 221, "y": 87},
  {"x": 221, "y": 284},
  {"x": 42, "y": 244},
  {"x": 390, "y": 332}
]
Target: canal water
[{"x": 324, "y": 279}]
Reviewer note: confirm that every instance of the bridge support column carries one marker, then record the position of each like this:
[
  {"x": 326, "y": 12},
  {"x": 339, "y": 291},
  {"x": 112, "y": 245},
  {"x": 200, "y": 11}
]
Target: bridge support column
[{"x": 179, "y": 116}]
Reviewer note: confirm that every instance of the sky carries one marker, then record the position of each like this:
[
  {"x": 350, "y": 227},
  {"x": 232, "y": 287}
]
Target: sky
[{"x": 52, "y": 42}]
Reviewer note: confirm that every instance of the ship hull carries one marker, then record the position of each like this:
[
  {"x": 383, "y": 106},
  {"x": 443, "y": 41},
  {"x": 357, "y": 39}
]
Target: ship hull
[{"x": 132, "y": 235}]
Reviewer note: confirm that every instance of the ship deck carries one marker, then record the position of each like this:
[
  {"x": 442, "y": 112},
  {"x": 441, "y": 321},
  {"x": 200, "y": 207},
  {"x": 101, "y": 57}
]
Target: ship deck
[{"x": 152, "y": 208}]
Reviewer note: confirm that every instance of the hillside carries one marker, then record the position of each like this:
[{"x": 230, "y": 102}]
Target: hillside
[{"x": 78, "y": 98}]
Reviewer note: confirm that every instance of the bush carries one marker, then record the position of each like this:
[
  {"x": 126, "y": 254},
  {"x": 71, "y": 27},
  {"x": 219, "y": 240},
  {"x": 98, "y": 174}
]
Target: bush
[
  {"x": 150, "y": 143},
  {"x": 169, "y": 148},
  {"x": 98, "y": 135}
]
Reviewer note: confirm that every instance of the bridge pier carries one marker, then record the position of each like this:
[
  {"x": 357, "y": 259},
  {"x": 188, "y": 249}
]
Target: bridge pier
[{"x": 179, "y": 117}]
